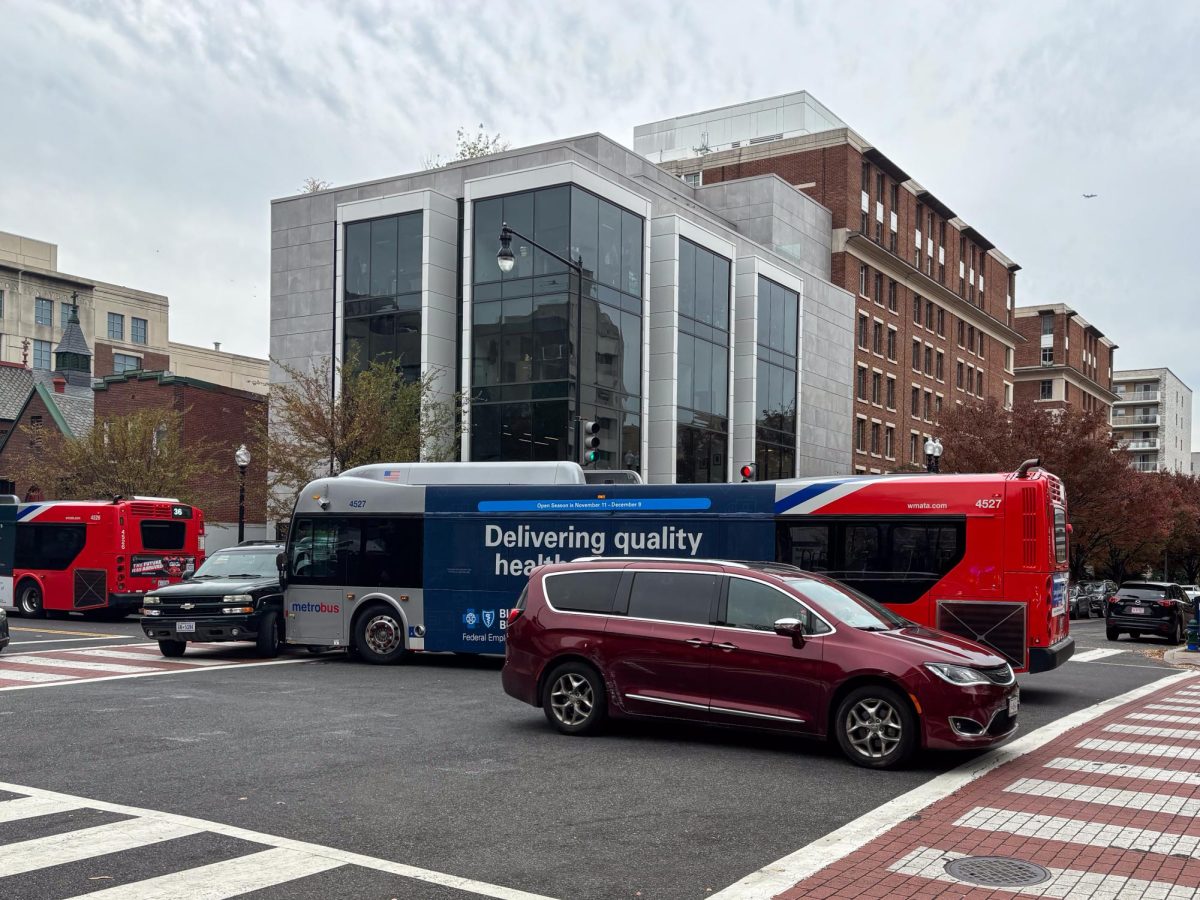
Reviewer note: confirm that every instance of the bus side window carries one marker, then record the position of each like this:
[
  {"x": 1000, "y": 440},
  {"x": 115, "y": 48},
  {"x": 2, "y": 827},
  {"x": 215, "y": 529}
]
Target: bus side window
[
  {"x": 314, "y": 551},
  {"x": 861, "y": 549},
  {"x": 392, "y": 553},
  {"x": 930, "y": 550},
  {"x": 806, "y": 546}
]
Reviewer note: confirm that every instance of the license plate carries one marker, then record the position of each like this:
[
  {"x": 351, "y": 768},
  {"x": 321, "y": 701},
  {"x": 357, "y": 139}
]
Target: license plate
[
  {"x": 1137, "y": 611},
  {"x": 185, "y": 626},
  {"x": 162, "y": 582},
  {"x": 1014, "y": 703}
]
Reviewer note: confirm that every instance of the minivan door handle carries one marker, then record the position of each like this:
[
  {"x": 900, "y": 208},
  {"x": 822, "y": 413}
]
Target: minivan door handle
[
  {"x": 725, "y": 646},
  {"x": 695, "y": 642}
]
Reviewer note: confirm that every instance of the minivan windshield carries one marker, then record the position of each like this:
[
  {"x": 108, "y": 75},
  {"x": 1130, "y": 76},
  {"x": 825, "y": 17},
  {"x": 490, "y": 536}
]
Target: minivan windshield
[
  {"x": 249, "y": 564},
  {"x": 848, "y": 606}
]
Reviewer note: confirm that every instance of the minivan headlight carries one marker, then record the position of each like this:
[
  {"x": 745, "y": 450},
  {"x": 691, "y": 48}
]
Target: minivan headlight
[{"x": 957, "y": 675}]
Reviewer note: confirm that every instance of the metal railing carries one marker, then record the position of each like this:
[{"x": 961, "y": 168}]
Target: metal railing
[
  {"x": 1134, "y": 420},
  {"x": 1142, "y": 444},
  {"x": 1144, "y": 466},
  {"x": 1138, "y": 397}
]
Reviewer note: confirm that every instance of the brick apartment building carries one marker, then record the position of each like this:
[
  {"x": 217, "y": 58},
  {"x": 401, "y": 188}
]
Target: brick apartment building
[
  {"x": 934, "y": 311},
  {"x": 1065, "y": 360}
]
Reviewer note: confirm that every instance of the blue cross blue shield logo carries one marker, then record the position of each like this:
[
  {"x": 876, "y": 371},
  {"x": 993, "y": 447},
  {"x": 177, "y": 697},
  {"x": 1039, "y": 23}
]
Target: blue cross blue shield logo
[
  {"x": 470, "y": 619},
  {"x": 489, "y": 618}
]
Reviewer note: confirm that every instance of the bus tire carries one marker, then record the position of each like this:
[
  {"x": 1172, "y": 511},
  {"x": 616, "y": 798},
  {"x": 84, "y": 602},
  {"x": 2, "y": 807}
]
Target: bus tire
[
  {"x": 29, "y": 600},
  {"x": 1112, "y": 634},
  {"x": 875, "y": 727},
  {"x": 379, "y": 635},
  {"x": 172, "y": 648},
  {"x": 266, "y": 644},
  {"x": 574, "y": 698}
]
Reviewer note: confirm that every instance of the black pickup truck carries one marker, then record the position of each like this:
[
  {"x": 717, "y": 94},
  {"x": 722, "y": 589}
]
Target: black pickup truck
[{"x": 234, "y": 596}]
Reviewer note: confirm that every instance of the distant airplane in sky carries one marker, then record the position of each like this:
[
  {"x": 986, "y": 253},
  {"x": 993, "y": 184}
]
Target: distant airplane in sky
[{"x": 1090, "y": 196}]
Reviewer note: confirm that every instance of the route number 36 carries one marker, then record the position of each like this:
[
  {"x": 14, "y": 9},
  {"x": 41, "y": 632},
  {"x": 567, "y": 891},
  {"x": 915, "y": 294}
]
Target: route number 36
[{"x": 988, "y": 503}]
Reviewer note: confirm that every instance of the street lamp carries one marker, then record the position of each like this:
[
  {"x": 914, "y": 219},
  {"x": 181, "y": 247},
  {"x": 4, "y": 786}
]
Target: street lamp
[
  {"x": 505, "y": 260},
  {"x": 242, "y": 457}
]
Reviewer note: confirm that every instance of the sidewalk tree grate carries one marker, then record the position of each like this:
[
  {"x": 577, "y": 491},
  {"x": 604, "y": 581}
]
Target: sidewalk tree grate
[{"x": 996, "y": 871}]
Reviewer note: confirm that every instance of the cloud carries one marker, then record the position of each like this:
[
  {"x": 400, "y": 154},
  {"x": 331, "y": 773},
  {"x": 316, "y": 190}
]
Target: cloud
[{"x": 151, "y": 136}]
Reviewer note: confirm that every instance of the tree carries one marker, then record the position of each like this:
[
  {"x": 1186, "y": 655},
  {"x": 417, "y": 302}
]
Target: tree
[
  {"x": 470, "y": 146},
  {"x": 312, "y": 185},
  {"x": 139, "y": 453},
  {"x": 1183, "y": 542},
  {"x": 377, "y": 416},
  {"x": 1076, "y": 445}
]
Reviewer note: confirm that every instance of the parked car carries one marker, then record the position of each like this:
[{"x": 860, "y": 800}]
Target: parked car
[
  {"x": 1079, "y": 603},
  {"x": 1098, "y": 592},
  {"x": 3, "y": 629},
  {"x": 750, "y": 644},
  {"x": 1192, "y": 591},
  {"x": 1148, "y": 607},
  {"x": 234, "y": 596}
]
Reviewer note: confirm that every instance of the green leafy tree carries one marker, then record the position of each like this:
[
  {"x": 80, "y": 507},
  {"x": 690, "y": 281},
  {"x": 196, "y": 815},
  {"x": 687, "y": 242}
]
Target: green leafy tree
[
  {"x": 377, "y": 416},
  {"x": 139, "y": 453}
]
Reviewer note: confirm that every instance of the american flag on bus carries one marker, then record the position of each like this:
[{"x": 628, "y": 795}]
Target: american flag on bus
[{"x": 392, "y": 475}]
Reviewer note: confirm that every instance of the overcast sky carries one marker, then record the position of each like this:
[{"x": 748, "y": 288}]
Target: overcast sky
[{"x": 146, "y": 139}]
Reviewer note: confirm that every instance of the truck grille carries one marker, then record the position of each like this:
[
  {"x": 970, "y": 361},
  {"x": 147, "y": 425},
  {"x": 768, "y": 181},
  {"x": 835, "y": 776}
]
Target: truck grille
[{"x": 998, "y": 626}]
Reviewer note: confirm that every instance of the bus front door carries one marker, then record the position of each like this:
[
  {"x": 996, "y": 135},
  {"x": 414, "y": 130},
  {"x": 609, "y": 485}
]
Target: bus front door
[{"x": 314, "y": 599}]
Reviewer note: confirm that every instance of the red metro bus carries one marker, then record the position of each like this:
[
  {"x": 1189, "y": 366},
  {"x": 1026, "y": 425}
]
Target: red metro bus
[
  {"x": 100, "y": 557},
  {"x": 981, "y": 556}
]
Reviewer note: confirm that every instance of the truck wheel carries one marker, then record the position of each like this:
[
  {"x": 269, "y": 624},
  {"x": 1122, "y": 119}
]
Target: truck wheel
[
  {"x": 172, "y": 648},
  {"x": 30, "y": 601},
  {"x": 379, "y": 635},
  {"x": 267, "y": 642}
]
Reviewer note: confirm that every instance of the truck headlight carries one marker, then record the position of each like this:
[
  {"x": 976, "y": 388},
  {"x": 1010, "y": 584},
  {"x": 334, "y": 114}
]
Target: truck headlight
[
  {"x": 151, "y": 601},
  {"x": 237, "y": 598}
]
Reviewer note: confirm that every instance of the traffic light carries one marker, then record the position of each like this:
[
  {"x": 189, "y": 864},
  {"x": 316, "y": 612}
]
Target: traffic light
[
  {"x": 591, "y": 442},
  {"x": 748, "y": 471}
]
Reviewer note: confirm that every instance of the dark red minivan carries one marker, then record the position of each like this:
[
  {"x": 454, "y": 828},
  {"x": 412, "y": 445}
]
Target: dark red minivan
[{"x": 758, "y": 644}]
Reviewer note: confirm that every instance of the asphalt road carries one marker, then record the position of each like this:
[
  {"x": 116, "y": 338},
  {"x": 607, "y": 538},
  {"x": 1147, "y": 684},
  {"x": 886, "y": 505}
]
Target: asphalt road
[{"x": 432, "y": 765}]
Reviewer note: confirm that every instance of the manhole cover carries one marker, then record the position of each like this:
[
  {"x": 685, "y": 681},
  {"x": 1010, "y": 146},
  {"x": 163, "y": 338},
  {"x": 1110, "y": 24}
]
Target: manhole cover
[{"x": 996, "y": 871}]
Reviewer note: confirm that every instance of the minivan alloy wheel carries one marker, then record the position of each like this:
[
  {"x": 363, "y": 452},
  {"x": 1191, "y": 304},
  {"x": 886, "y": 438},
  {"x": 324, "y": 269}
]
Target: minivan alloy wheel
[
  {"x": 571, "y": 699},
  {"x": 873, "y": 727}
]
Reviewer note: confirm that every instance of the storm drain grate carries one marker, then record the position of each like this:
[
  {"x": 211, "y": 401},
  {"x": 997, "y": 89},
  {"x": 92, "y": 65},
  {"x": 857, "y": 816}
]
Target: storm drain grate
[{"x": 996, "y": 871}]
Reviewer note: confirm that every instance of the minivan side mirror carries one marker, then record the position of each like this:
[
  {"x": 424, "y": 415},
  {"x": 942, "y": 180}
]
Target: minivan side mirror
[{"x": 792, "y": 628}]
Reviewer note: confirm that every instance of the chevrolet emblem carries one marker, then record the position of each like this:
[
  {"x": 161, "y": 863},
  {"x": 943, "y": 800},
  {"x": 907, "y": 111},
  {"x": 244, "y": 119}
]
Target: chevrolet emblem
[{"x": 187, "y": 605}]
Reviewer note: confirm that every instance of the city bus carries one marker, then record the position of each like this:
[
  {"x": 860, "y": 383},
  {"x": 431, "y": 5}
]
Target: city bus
[
  {"x": 388, "y": 567},
  {"x": 100, "y": 557}
]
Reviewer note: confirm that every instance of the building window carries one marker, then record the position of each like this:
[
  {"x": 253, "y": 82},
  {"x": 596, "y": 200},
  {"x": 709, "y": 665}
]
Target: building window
[
  {"x": 877, "y": 338},
  {"x": 962, "y": 333},
  {"x": 928, "y": 360},
  {"x": 916, "y": 356},
  {"x": 878, "y": 289},
  {"x": 979, "y": 382},
  {"x": 958, "y": 374},
  {"x": 891, "y": 392},
  {"x": 891, "y": 344},
  {"x": 860, "y": 435},
  {"x": 861, "y": 383},
  {"x": 64, "y": 314},
  {"x": 116, "y": 327},
  {"x": 137, "y": 330},
  {"x": 123, "y": 362},
  {"x": 41, "y": 354},
  {"x": 940, "y": 373},
  {"x": 892, "y": 305},
  {"x": 1008, "y": 395},
  {"x": 692, "y": 179},
  {"x": 862, "y": 280},
  {"x": 43, "y": 311},
  {"x": 929, "y": 308},
  {"x": 1047, "y": 323},
  {"x": 915, "y": 407},
  {"x": 524, "y": 361},
  {"x": 1047, "y": 389},
  {"x": 941, "y": 322},
  {"x": 916, "y": 309},
  {"x": 937, "y": 409},
  {"x": 862, "y": 332},
  {"x": 876, "y": 388},
  {"x": 982, "y": 337},
  {"x": 913, "y": 448},
  {"x": 1047, "y": 356},
  {"x": 971, "y": 338},
  {"x": 928, "y": 406},
  {"x": 1, "y": 304},
  {"x": 970, "y": 379},
  {"x": 889, "y": 442},
  {"x": 775, "y": 425},
  {"x": 1008, "y": 359},
  {"x": 875, "y": 435}
]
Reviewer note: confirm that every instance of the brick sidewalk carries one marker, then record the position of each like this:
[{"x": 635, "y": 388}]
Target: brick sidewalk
[{"x": 1108, "y": 808}]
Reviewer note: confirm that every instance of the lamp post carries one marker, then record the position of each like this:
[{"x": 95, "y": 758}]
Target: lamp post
[
  {"x": 505, "y": 260},
  {"x": 242, "y": 457}
]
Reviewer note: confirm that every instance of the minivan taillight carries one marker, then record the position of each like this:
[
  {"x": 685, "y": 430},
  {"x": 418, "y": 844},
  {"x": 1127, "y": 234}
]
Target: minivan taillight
[{"x": 513, "y": 615}]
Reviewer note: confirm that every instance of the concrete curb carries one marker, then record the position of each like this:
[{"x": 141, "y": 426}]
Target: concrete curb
[{"x": 1181, "y": 656}]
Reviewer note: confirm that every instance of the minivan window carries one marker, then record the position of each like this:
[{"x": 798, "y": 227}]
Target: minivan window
[
  {"x": 853, "y": 608},
  {"x": 672, "y": 596},
  {"x": 591, "y": 592},
  {"x": 752, "y": 604}
]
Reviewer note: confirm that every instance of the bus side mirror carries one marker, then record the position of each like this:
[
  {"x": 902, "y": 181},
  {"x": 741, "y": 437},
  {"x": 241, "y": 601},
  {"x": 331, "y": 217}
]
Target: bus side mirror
[
  {"x": 281, "y": 566},
  {"x": 792, "y": 628}
]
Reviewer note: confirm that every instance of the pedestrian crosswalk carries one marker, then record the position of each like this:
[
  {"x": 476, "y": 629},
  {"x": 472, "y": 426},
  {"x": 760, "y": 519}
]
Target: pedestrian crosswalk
[
  {"x": 1108, "y": 810},
  {"x": 48, "y": 668},
  {"x": 266, "y": 863}
]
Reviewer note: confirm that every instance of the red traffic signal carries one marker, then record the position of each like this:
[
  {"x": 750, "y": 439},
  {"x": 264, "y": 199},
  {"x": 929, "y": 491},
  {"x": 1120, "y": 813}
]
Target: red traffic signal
[{"x": 748, "y": 472}]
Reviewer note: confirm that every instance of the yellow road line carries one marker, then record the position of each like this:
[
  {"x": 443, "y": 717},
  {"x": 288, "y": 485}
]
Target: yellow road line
[{"x": 64, "y": 631}]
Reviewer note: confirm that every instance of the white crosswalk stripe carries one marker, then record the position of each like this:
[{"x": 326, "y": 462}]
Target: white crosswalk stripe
[
  {"x": 32, "y": 676},
  {"x": 58, "y": 662},
  {"x": 1075, "y": 831},
  {"x": 1186, "y": 734},
  {"x": 105, "y": 653},
  {"x": 1155, "y": 717},
  {"x": 57, "y": 849},
  {"x": 1124, "y": 770},
  {"x": 223, "y": 879},
  {"x": 1176, "y": 706},
  {"x": 29, "y": 807},
  {"x": 1182, "y": 701},
  {"x": 1167, "y": 751},
  {"x": 1084, "y": 793},
  {"x": 1066, "y": 884},
  {"x": 1093, "y": 655}
]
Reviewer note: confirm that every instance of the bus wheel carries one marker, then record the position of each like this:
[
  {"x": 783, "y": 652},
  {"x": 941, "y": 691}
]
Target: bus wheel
[
  {"x": 267, "y": 642},
  {"x": 30, "y": 601},
  {"x": 379, "y": 635},
  {"x": 172, "y": 648}
]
